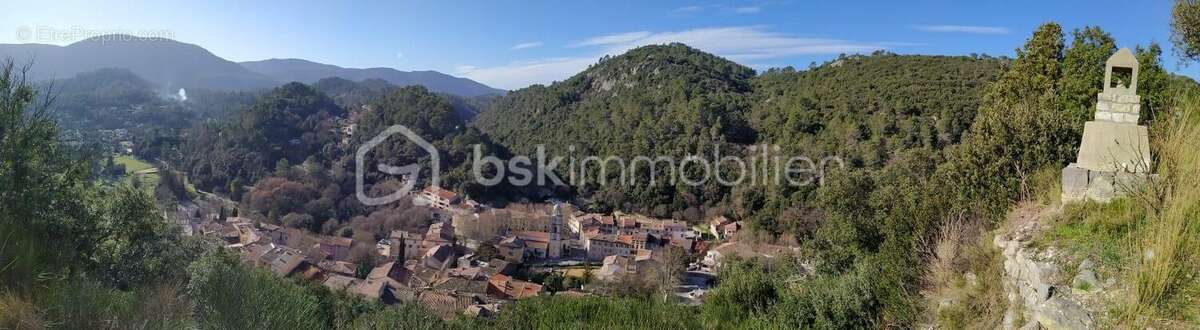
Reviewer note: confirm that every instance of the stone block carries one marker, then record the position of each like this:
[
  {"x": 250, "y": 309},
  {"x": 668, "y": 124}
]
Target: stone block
[
  {"x": 1074, "y": 179},
  {"x": 1122, "y": 107},
  {"x": 1074, "y": 184},
  {"x": 1102, "y": 188},
  {"x": 1062, "y": 313},
  {"x": 1103, "y": 116},
  {"x": 1130, "y": 180},
  {"x": 1129, "y": 118},
  {"x": 1104, "y": 105},
  {"x": 1111, "y": 146},
  {"x": 1130, "y": 98}
]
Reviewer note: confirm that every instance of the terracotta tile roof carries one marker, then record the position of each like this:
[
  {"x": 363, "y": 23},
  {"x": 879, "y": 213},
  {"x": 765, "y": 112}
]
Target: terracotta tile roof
[
  {"x": 611, "y": 238},
  {"x": 468, "y": 273},
  {"x": 392, "y": 271},
  {"x": 510, "y": 288},
  {"x": 369, "y": 288},
  {"x": 444, "y": 305},
  {"x": 253, "y": 253},
  {"x": 340, "y": 267},
  {"x": 608, "y": 220},
  {"x": 538, "y": 245},
  {"x": 512, "y": 242},
  {"x": 440, "y": 193},
  {"x": 438, "y": 256},
  {"x": 499, "y": 266},
  {"x": 287, "y": 261},
  {"x": 537, "y": 236},
  {"x": 337, "y": 282}
]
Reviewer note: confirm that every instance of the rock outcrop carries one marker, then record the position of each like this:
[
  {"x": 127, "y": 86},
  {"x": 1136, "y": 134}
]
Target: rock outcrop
[{"x": 1035, "y": 301}]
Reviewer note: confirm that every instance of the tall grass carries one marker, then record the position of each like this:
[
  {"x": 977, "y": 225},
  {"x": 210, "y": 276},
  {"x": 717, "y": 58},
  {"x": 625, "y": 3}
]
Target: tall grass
[
  {"x": 1164, "y": 278},
  {"x": 19, "y": 313},
  {"x": 966, "y": 271}
]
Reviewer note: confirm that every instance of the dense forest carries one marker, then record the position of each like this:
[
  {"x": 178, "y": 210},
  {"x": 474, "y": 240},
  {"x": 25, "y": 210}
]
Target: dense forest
[{"x": 673, "y": 100}]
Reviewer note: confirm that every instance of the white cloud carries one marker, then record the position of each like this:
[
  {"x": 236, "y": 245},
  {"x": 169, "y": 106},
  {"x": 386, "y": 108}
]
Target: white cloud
[
  {"x": 612, "y": 39},
  {"x": 747, "y": 9},
  {"x": 740, "y": 44},
  {"x": 962, "y": 29},
  {"x": 687, "y": 9},
  {"x": 521, "y": 74},
  {"x": 746, "y": 43},
  {"x": 525, "y": 45}
]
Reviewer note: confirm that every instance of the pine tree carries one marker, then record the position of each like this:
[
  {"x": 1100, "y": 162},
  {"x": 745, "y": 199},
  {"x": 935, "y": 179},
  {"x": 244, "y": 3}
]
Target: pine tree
[{"x": 1020, "y": 128}]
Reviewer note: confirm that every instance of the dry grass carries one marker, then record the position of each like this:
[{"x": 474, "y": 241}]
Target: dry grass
[
  {"x": 1164, "y": 278},
  {"x": 17, "y": 313},
  {"x": 964, "y": 278},
  {"x": 966, "y": 270}
]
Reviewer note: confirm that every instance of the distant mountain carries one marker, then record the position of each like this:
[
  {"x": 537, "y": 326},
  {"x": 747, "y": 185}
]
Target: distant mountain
[
  {"x": 167, "y": 63},
  {"x": 172, "y": 65},
  {"x": 309, "y": 72},
  {"x": 353, "y": 95}
]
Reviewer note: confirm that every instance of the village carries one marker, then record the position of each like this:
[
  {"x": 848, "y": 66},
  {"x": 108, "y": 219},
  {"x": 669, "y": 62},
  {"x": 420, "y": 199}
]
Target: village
[{"x": 472, "y": 259}]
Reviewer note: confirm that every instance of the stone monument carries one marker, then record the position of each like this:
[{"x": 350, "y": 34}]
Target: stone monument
[{"x": 1114, "y": 151}]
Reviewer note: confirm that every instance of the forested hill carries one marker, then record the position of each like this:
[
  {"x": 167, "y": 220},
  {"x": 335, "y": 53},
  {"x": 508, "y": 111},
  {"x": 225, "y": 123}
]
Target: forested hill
[
  {"x": 673, "y": 99},
  {"x": 869, "y": 107},
  {"x": 353, "y": 95},
  {"x": 670, "y": 95}
]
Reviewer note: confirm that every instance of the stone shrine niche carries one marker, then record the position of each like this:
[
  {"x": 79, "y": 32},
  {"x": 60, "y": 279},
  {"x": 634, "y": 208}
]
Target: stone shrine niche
[
  {"x": 1114, "y": 151},
  {"x": 1121, "y": 73}
]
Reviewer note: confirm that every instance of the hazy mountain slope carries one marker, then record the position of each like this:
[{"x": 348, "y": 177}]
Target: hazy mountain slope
[
  {"x": 309, "y": 72},
  {"x": 167, "y": 63},
  {"x": 172, "y": 65}
]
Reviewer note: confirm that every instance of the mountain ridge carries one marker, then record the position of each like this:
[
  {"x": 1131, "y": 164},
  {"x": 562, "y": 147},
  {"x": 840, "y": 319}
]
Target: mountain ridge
[
  {"x": 301, "y": 70},
  {"x": 173, "y": 64}
]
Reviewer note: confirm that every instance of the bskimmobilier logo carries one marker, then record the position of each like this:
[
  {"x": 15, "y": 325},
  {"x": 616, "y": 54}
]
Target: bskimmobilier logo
[
  {"x": 410, "y": 173},
  {"x": 765, "y": 165}
]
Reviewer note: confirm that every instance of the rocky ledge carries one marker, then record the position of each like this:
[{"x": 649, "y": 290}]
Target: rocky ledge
[{"x": 1035, "y": 301}]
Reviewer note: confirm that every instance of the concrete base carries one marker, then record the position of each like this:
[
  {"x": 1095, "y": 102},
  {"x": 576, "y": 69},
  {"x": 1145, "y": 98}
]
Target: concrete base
[
  {"x": 1080, "y": 184},
  {"x": 1112, "y": 147}
]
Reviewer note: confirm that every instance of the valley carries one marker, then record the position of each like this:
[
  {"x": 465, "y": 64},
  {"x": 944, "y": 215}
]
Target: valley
[{"x": 153, "y": 184}]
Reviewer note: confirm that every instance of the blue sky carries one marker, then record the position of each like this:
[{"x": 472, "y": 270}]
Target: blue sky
[{"x": 513, "y": 44}]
